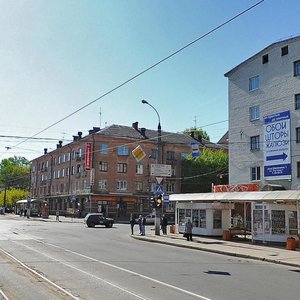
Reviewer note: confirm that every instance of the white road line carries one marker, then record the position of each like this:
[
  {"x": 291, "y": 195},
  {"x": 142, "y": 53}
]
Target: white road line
[
  {"x": 3, "y": 295},
  {"x": 118, "y": 268},
  {"x": 39, "y": 275}
]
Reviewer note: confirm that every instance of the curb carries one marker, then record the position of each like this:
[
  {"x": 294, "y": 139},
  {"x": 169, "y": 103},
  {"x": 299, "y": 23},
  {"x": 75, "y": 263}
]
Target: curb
[{"x": 222, "y": 252}]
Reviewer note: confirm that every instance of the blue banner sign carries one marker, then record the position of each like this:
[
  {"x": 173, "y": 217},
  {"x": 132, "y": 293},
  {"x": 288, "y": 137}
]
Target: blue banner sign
[{"x": 277, "y": 146}]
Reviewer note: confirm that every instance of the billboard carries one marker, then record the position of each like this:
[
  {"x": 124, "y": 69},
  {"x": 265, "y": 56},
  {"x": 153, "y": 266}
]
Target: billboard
[{"x": 277, "y": 146}]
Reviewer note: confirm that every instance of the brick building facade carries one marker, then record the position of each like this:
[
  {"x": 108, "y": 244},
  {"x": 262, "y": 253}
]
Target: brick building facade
[{"x": 98, "y": 172}]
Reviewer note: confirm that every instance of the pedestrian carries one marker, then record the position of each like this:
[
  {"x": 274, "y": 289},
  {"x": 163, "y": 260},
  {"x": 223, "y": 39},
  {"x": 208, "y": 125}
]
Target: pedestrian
[
  {"x": 188, "y": 230},
  {"x": 132, "y": 222},
  {"x": 164, "y": 224},
  {"x": 57, "y": 215},
  {"x": 143, "y": 222},
  {"x": 140, "y": 224}
]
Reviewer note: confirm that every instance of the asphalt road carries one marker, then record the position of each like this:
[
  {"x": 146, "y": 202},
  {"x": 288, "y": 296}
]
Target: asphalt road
[{"x": 76, "y": 262}]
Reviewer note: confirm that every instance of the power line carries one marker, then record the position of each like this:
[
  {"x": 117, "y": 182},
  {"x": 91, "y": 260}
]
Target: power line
[{"x": 146, "y": 70}]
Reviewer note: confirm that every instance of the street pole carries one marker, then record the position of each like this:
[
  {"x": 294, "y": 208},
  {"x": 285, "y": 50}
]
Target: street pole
[{"x": 159, "y": 161}]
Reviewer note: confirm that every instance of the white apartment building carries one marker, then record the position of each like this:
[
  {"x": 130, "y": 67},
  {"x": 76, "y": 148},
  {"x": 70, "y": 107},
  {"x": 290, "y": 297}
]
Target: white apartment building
[{"x": 264, "y": 117}]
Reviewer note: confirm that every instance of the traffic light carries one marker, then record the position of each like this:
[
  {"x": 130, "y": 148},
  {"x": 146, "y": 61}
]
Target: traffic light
[
  {"x": 153, "y": 202},
  {"x": 159, "y": 201}
]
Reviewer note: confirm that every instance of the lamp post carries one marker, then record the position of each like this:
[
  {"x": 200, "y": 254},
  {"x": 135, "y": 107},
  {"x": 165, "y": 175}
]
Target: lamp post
[{"x": 159, "y": 161}]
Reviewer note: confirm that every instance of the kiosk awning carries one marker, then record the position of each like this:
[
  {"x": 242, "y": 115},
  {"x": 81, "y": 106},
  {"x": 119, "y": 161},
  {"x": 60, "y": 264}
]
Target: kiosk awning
[{"x": 288, "y": 195}]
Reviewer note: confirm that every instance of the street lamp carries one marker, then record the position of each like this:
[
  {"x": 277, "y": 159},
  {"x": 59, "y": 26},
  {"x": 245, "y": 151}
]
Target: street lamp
[
  {"x": 159, "y": 161},
  {"x": 159, "y": 150}
]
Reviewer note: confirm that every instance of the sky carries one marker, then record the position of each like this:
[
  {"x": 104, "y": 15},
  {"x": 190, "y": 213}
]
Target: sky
[{"x": 62, "y": 61}]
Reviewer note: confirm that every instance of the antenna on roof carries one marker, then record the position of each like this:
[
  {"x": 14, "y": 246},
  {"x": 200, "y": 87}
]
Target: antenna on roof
[{"x": 100, "y": 116}]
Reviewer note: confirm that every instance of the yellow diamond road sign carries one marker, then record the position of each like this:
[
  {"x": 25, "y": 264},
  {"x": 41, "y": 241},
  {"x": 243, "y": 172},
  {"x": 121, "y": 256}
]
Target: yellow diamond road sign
[{"x": 138, "y": 153}]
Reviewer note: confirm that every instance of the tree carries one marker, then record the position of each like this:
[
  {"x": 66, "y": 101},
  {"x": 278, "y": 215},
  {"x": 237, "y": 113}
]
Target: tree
[
  {"x": 197, "y": 132},
  {"x": 211, "y": 167},
  {"x": 15, "y": 173},
  {"x": 12, "y": 196}
]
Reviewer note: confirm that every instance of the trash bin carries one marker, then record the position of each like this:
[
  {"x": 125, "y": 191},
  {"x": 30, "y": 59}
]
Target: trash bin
[
  {"x": 291, "y": 243},
  {"x": 226, "y": 235},
  {"x": 172, "y": 229}
]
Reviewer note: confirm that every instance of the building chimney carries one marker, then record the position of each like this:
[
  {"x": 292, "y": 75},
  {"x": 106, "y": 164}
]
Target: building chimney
[
  {"x": 79, "y": 135},
  {"x": 45, "y": 150},
  {"x": 96, "y": 129},
  {"x": 135, "y": 125},
  {"x": 60, "y": 144},
  {"x": 75, "y": 138},
  {"x": 143, "y": 132}
]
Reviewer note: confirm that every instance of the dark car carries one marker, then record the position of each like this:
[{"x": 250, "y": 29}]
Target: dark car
[{"x": 93, "y": 219}]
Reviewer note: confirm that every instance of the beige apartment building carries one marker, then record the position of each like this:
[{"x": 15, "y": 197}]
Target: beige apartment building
[
  {"x": 264, "y": 117},
  {"x": 99, "y": 173}
]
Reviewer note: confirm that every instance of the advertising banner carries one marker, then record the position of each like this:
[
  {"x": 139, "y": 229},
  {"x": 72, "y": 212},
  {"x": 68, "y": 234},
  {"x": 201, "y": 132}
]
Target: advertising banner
[
  {"x": 88, "y": 155},
  {"x": 277, "y": 144}
]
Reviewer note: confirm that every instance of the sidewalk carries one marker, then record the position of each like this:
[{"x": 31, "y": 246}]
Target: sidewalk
[{"x": 238, "y": 248}]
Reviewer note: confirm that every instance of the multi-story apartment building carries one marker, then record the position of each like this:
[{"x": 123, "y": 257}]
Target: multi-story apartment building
[
  {"x": 98, "y": 172},
  {"x": 264, "y": 117}
]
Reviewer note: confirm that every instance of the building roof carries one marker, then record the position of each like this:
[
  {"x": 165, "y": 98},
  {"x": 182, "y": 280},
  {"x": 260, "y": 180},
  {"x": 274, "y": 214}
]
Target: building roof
[
  {"x": 144, "y": 134},
  {"x": 268, "y": 196},
  {"x": 276, "y": 44}
]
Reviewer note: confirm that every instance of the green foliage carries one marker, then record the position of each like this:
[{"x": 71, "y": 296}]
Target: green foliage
[
  {"x": 197, "y": 132},
  {"x": 12, "y": 196},
  {"x": 15, "y": 172},
  {"x": 201, "y": 172}
]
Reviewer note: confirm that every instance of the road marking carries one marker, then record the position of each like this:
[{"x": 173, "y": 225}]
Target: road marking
[
  {"x": 115, "y": 267},
  {"x": 39, "y": 275},
  {"x": 3, "y": 295}
]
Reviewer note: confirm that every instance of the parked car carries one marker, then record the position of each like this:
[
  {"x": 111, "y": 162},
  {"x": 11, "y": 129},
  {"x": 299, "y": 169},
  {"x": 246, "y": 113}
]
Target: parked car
[
  {"x": 93, "y": 219},
  {"x": 150, "y": 219}
]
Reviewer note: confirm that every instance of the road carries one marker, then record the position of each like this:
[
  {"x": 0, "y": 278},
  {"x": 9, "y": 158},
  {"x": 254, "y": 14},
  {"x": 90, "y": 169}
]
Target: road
[{"x": 70, "y": 261}]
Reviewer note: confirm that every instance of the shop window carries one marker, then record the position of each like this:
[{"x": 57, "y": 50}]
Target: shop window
[
  {"x": 195, "y": 217},
  {"x": 202, "y": 218},
  {"x": 293, "y": 223},
  {"x": 181, "y": 217},
  {"x": 217, "y": 219},
  {"x": 278, "y": 221}
]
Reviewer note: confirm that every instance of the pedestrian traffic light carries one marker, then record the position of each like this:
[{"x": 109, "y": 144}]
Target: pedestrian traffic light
[{"x": 159, "y": 201}]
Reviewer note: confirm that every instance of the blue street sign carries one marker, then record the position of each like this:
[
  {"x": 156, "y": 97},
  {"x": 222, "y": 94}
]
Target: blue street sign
[{"x": 159, "y": 189}]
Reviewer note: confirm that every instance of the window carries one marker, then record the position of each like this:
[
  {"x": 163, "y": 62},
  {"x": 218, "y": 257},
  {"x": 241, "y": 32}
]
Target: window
[
  {"x": 297, "y": 68},
  {"x": 253, "y": 83},
  {"x": 154, "y": 153},
  {"x": 255, "y": 173},
  {"x": 122, "y": 150},
  {"x": 67, "y": 171},
  {"x": 121, "y": 185},
  {"x": 217, "y": 218},
  {"x": 68, "y": 155},
  {"x": 298, "y": 135},
  {"x": 104, "y": 149},
  {"x": 297, "y": 101},
  {"x": 103, "y": 166},
  {"x": 121, "y": 168},
  {"x": 170, "y": 155},
  {"x": 298, "y": 168},
  {"x": 170, "y": 187},
  {"x": 265, "y": 58},
  {"x": 254, "y": 142},
  {"x": 139, "y": 186},
  {"x": 202, "y": 218},
  {"x": 103, "y": 184},
  {"x": 254, "y": 113},
  {"x": 139, "y": 169},
  {"x": 284, "y": 50}
]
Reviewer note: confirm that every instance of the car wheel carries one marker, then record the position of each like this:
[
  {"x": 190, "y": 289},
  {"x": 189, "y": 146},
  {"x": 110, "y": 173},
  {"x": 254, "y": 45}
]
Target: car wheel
[{"x": 92, "y": 224}]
